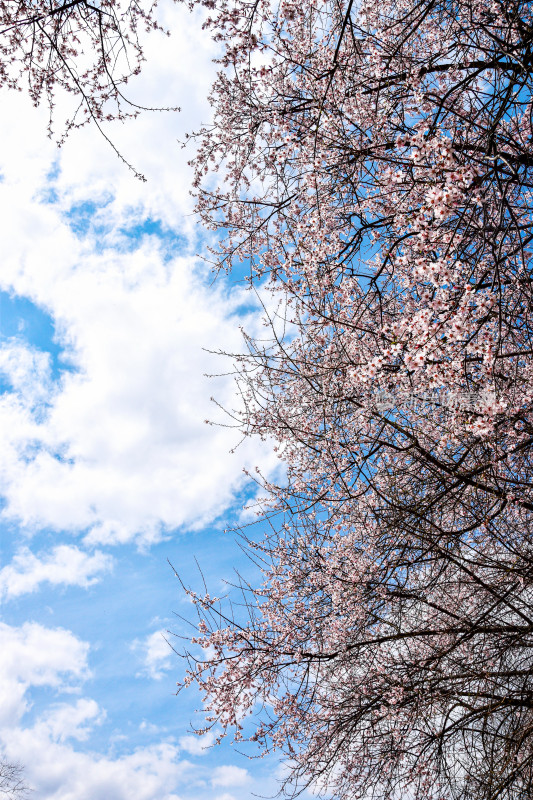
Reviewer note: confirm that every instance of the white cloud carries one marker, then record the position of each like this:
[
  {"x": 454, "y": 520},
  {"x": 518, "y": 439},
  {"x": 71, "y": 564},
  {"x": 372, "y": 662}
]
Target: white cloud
[
  {"x": 197, "y": 745},
  {"x": 230, "y": 776},
  {"x": 68, "y": 721},
  {"x": 27, "y": 371},
  {"x": 148, "y": 727},
  {"x": 56, "y": 771},
  {"x": 155, "y": 653},
  {"x": 118, "y": 447},
  {"x": 122, "y": 449},
  {"x": 65, "y": 565},
  {"x": 33, "y": 655}
]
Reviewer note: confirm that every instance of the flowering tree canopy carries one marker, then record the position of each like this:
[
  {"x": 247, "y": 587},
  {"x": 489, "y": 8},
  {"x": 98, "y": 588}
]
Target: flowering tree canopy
[
  {"x": 87, "y": 50},
  {"x": 372, "y": 163}
]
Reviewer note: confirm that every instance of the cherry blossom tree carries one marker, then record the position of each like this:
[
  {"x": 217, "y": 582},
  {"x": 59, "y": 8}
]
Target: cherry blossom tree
[
  {"x": 400, "y": 677},
  {"x": 371, "y": 163},
  {"x": 85, "y": 50}
]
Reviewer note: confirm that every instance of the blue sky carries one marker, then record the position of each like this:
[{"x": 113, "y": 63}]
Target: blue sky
[{"x": 107, "y": 469}]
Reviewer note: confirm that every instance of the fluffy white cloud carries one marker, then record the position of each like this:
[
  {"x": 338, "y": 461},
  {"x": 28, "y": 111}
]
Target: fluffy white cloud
[
  {"x": 197, "y": 745},
  {"x": 70, "y": 721},
  {"x": 28, "y": 372},
  {"x": 230, "y": 776},
  {"x": 57, "y": 771},
  {"x": 119, "y": 446},
  {"x": 32, "y": 655},
  {"x": 65, "y": 565},
  {"x": 155, "y": 653}
]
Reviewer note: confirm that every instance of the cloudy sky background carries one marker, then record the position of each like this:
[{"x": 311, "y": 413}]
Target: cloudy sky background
[{"x": 106, "y": 466}]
